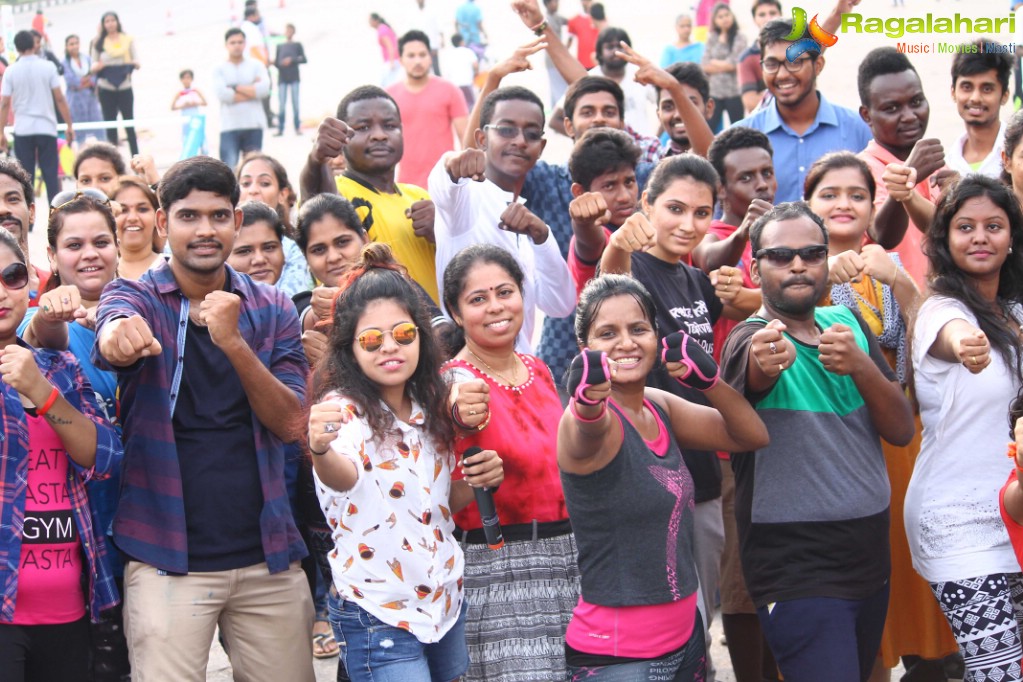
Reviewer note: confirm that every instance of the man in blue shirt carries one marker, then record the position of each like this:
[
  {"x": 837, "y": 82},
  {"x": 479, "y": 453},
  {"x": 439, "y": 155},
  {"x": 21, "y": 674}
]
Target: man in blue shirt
[
  {"x": 469, "y": 23},
  {"x": 801, "y": 123}
]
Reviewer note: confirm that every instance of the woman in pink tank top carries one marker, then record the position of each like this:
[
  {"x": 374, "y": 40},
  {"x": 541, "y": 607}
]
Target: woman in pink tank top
[{"x": 52, "y": 573}]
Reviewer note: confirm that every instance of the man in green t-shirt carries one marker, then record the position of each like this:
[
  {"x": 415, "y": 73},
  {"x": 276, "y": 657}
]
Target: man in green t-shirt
[{"x": 812, "y": 506}]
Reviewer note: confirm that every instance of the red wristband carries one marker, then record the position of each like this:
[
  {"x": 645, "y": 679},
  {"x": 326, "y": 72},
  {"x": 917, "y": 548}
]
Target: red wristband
[
  {"x": 575, "y": 413},
  {"x": 41, "y": 411}
]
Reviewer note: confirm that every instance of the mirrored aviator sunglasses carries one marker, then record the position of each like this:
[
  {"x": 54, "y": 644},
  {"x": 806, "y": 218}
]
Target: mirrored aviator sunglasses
[
  {"x": 403, "y": 334},
  {"x": 15, "y": 276},
  {"x": 69, "y": 196}
]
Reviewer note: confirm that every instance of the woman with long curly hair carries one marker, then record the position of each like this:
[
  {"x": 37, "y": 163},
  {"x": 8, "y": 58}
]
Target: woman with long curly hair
[{"x": 380, "y": 436}]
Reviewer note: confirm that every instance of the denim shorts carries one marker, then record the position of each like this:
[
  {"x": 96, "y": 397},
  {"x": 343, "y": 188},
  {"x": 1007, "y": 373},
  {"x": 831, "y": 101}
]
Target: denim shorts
[{"x": 373, "y": 651}]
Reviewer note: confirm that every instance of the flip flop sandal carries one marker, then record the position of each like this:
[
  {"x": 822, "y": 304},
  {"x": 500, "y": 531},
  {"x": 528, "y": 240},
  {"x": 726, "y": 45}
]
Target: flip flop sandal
[{"x": 322, "y": 645}]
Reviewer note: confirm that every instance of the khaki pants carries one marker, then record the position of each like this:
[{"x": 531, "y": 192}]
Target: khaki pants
[{"x": 266, "y": 621}]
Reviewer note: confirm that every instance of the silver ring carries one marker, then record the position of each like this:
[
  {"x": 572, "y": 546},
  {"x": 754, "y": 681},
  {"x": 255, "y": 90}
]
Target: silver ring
[
  {"x": 65, "y": 300},
  {"x": 329, "y": 427},
  {"x": 772, "y": 347},
  {"x": 472, "y": 412}
]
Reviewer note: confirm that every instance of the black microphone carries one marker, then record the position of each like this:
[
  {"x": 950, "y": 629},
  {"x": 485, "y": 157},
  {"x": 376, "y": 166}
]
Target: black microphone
[{"x": 488, "y": 512}]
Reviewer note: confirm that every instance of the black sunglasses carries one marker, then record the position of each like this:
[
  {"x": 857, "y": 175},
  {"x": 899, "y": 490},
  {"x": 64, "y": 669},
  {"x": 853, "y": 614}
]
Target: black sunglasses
[
  {"x": 781, "y": 256},
  {"x": 15, "y": 276}
]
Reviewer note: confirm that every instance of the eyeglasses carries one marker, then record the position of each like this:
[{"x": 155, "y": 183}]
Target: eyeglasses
[
  {"x": 530, "y": 135},
  {"x": 772, "y": 65},
  {"x": 403, "y": 333},
  {"x": 14, "y": 276},
  {"x": 62, "y": 199},
  {"x": 780, "y": 257}
]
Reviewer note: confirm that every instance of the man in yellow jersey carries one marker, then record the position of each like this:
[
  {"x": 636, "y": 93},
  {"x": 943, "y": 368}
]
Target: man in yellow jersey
[{"x": 368, "y": 132}]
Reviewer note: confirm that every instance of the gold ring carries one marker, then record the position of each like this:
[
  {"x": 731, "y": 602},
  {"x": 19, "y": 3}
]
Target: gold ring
[
  {"x": 781, "y": 368},
  {"x": 973, "y": 358}
]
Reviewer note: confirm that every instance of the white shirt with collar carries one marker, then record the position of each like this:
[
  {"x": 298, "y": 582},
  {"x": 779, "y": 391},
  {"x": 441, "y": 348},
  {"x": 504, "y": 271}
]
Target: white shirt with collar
[
  {"x": 991, "y": 166},
  {"x": 468, "y": 212}
]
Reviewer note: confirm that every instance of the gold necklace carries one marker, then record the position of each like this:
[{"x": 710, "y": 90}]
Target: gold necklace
[{"x": 492, "y": 370}]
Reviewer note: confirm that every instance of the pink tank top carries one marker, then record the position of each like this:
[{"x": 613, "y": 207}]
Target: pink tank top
[{"x": 50, "y": 573}]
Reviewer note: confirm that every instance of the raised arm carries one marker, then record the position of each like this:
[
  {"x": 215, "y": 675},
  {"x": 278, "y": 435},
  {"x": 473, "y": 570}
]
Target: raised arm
[
  {"x": 636, "y": 234},
  {"x": 516, "y": 63}
]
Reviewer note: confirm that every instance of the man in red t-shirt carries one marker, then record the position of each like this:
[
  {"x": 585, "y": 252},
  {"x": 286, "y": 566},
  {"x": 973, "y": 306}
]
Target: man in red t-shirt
[
  {"x": 433, "y": 111},
  {"x": 582, "y": 28}
]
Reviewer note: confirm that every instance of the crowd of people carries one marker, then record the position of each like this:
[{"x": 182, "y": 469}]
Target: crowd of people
[{"x": 777, "y": 368}]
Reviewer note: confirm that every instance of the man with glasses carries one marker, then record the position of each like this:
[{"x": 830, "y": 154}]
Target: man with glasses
[
  {"x": 477, "y": 193},
  {"x": 801, "y": 123},
  {"x": 212, "y": 374},
  {"x": 812, "y": 507}
]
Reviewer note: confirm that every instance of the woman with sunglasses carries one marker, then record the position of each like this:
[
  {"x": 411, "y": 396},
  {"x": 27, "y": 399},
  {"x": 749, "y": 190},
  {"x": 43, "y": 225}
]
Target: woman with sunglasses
[
  {"x": 967, "y": 367},
  {"x": 655, "y": 246},
  {"x": 55, "y": 574},
  {"x": 330, "y": 236},
  {"x": 521, "y": 597},
  {"x": 136, "y": 227},
  {"x": 83, "y": 259},
  {"x": 380, "y": 437},
  {"x": 865, "y": 278}
]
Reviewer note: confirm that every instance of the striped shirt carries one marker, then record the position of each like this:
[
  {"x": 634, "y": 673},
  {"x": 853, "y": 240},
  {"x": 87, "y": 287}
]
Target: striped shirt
[
  {"x": 62, "y": 370},
  {"x": 150, "y": 522}
]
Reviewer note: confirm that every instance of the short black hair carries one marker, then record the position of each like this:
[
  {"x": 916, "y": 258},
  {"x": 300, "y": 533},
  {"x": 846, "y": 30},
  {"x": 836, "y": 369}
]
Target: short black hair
[
  {"x": 789, "y": 210},
  {"x": 612, "y": 35},
  {"x": 513, "y": 92},
  {"x": 320, "y": 206},
  {"x": 10, "y": 167},
  {"x": 880, "y": 61},
  {"x": 257, "y": 211},
  {"x": 203, "y": 173},
  {"x": 597, "y": 11},
  {"x": 736, "y": 137},
  {"x": 186, "y": 72},
  {"x": 457, "y": 40},
  {"x": 250, "y": 10},
  {"x": 690, "y": 73},
  {"x": 234, "y": 31},
  {"x": 24, "y": 41},
  {"x": 363, "y": 92},
  {"x": 777, "y": 31},
  {"x": 588, "y": 85},
  {"x": 599, "y": 151},
  {"x": 758, "y": 3},
  {"x": 100, "y": 150},
  {"x": 413, "y": 36},
  {"x": 972, "y": 63}
]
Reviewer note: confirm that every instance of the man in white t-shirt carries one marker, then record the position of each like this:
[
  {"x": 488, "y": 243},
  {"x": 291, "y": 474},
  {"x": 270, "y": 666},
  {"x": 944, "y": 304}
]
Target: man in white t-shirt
[
  {"x": 460, "y": 66},
  {"x": 980, "y": 86},
  {"x": 31, "y": 85},
  {"x": 638, "y": 98}
]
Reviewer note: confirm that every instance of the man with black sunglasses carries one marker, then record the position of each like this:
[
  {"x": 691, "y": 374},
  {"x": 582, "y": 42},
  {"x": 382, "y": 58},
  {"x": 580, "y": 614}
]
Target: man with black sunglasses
[
  {"x": 812, "y": 507},
  {"x": 212, "y": 373}
]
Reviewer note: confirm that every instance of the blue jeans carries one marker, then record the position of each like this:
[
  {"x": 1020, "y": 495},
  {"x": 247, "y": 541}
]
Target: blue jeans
[
  {"x": 27, "y": 148},
  {"x": 373, "y": 651},
  {"x": 282, "y": 95},
  {"x": 234, "y": 143},
  {"x": 822, "y": 638}
]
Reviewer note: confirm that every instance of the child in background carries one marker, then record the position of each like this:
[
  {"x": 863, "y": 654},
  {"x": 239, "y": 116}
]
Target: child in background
[{"x": 187, "y": 101}]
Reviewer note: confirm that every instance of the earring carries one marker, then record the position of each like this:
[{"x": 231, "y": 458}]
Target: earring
[{"x": 1010, "y": 250}]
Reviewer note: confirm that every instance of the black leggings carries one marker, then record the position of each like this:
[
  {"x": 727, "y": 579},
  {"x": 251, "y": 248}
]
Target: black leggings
[
  {"x": 733, "y": 105},
  {"x": 45, "y": 653},
  {"x": 123, "y": 101}
]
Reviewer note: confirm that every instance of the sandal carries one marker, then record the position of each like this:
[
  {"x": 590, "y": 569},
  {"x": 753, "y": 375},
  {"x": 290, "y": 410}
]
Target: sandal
[{"x": 324, "y": 645}]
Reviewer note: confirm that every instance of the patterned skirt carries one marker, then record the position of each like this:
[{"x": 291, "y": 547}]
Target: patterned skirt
[{"x": 520, "y": 600}]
